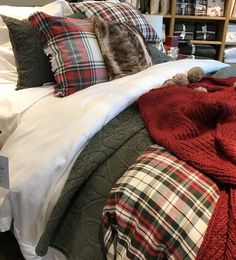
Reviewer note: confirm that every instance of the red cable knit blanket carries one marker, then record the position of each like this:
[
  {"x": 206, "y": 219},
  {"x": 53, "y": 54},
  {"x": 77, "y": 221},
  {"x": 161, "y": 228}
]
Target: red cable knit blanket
[{"x": 200, "y": 128}]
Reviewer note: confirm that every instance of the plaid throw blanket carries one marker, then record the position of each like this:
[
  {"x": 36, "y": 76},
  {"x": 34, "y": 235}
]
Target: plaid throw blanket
[
  {"x": 200, "y": 128},
  {"x": 159, "y": 209},
  {"x": 200, "y": 7},
  {"x": 184, "y": 7}
]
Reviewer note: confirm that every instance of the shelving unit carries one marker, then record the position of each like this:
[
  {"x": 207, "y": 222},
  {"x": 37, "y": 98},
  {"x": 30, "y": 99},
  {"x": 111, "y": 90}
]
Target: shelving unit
[{"x": 221, "y": 23}]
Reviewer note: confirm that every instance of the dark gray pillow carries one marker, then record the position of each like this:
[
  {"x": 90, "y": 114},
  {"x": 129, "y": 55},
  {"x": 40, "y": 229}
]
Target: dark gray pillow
[
  {"x": 33, "y": 66},
  {"x": 157, "y": 55}
]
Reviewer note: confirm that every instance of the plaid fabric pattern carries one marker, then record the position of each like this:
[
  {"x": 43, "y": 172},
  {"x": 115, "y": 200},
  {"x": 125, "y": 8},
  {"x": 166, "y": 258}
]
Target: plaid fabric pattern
[
  {"x": 76, "y": 59},
  {"x": 118, "y": 12},
  {"x": 200, "y": 7},
  {"x": 205, "y": 31},
  {"x": 185, "y": 30},
  {"x": 184, "y": 7},
  {"x": 159, "y": 209}
]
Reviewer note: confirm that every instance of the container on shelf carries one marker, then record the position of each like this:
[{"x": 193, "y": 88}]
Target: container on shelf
[
  {"x": 184, "y": 7},
  {"x": 215, "y": 7},
  {"x": 185, "y": 30},
  {"x": 200, "y": 7},
  {"x": 205, "y": 31}
]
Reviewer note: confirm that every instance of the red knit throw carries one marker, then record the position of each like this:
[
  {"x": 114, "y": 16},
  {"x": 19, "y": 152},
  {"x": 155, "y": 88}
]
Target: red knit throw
[{"x": 200, "y": 128}]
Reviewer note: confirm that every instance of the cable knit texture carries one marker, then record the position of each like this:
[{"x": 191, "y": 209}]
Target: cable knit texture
[{"x": 200, "y": 128}]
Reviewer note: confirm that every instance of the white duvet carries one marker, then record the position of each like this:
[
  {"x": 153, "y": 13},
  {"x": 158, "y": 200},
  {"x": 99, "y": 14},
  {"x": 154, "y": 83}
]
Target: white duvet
[{"x": 49, "y": 134}]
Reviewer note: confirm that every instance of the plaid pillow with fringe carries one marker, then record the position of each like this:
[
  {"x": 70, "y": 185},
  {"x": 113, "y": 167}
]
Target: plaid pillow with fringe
[{"x": 76, "y": 58}]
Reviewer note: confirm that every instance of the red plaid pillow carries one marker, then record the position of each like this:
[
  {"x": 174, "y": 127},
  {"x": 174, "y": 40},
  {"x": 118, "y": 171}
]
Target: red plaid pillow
[
  {"x": 118, "y": 12},
  {"x": 76, "y": 58}
]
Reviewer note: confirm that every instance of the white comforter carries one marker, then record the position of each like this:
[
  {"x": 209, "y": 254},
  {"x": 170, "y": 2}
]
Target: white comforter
[{"x": 51, "y": 132}]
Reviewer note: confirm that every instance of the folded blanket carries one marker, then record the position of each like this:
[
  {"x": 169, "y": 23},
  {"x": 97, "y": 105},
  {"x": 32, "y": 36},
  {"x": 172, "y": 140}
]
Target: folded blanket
[
  {"x": 229, "y": 60},
  {"x": 200, "y": 128},
  {"x": 197, "y": 49},
  {"x": 184, "y": 7},
  {"x": 230, "y": 52},
  {"x": 205, "y": 31},
  {"x": 185, "y": 30},
  {"x": 185, "y": 56}
]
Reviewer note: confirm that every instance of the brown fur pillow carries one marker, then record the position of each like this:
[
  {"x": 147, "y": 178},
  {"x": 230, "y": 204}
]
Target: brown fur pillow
[{"x": 122, "y": 46}]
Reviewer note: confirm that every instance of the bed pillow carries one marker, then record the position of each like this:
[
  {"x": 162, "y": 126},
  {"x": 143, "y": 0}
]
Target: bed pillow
[
  {"x": 118, "y": 12},
  {"x": 6, "y": 53},
  {"x": 122, "y": 47},
  {"x": 33, "y": 66},
  {"x": 157, "y": 55},
  {"x": 76, "y": 58},
  {"x": 58, "y": 7}
]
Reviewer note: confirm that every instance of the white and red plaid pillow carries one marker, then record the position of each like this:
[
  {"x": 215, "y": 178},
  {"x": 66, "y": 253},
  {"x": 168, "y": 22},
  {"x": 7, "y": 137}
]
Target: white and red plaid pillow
[
  {"x": 118, "y": 12},
  {"x": 76, "y": 58}
]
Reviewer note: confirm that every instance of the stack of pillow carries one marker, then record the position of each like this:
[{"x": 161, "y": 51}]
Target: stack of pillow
[
  {"x": 27, "y": 57},
  {"x": 79, "y": 45}
]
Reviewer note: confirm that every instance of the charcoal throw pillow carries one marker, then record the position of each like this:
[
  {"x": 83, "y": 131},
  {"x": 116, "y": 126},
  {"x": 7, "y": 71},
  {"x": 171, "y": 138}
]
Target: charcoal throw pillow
[
  {"x": 33, "y": 66},
  {"x": 157, "y": 55},
  {"x": 76, "y": 58},
  {"x": 118, "y": 12},
  {"x": 122, "y": 46}
]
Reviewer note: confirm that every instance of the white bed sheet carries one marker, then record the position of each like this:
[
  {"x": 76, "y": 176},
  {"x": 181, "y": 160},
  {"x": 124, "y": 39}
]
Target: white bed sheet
[
  {"x": 51, "y": 134},
  {"x": 8, "y": 73},
  {"x": 14, "y": 104}
]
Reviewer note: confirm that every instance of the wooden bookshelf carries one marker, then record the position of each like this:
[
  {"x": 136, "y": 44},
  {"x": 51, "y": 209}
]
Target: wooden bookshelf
[{"x": 220, "y": 21}]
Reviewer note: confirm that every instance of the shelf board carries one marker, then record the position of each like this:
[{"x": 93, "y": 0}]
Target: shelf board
[
  {"x": 192, "y": 17},
  {"x": 167, "y": 16},
  {"x": 206, "y": 42},
  {"x": 231, "y": 64},
  {"x": 230, "y": 43},
  {"x": 232, "y": 19}
]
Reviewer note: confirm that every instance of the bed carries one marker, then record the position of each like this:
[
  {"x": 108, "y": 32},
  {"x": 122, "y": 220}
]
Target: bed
[{"x": 68, "y": 146}]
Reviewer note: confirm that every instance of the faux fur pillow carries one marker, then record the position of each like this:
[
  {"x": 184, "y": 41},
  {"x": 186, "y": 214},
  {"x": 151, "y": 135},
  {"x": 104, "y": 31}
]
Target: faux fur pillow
[{"x": 122, "y": 46}]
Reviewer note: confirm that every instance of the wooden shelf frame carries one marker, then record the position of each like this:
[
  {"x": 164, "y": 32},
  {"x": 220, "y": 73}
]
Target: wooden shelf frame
[{"x": 221, "y": 22}]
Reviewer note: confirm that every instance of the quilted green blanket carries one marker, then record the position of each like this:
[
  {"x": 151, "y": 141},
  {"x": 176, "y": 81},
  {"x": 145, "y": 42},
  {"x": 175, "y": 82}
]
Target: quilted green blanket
[{"x": 75, "y": 223}]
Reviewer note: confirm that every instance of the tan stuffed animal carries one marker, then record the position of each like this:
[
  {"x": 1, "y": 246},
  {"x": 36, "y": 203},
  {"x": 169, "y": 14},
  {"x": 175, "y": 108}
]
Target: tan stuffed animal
[
  {"x": 180, "y": 79},
  {"x": 193, "y": 75}
]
